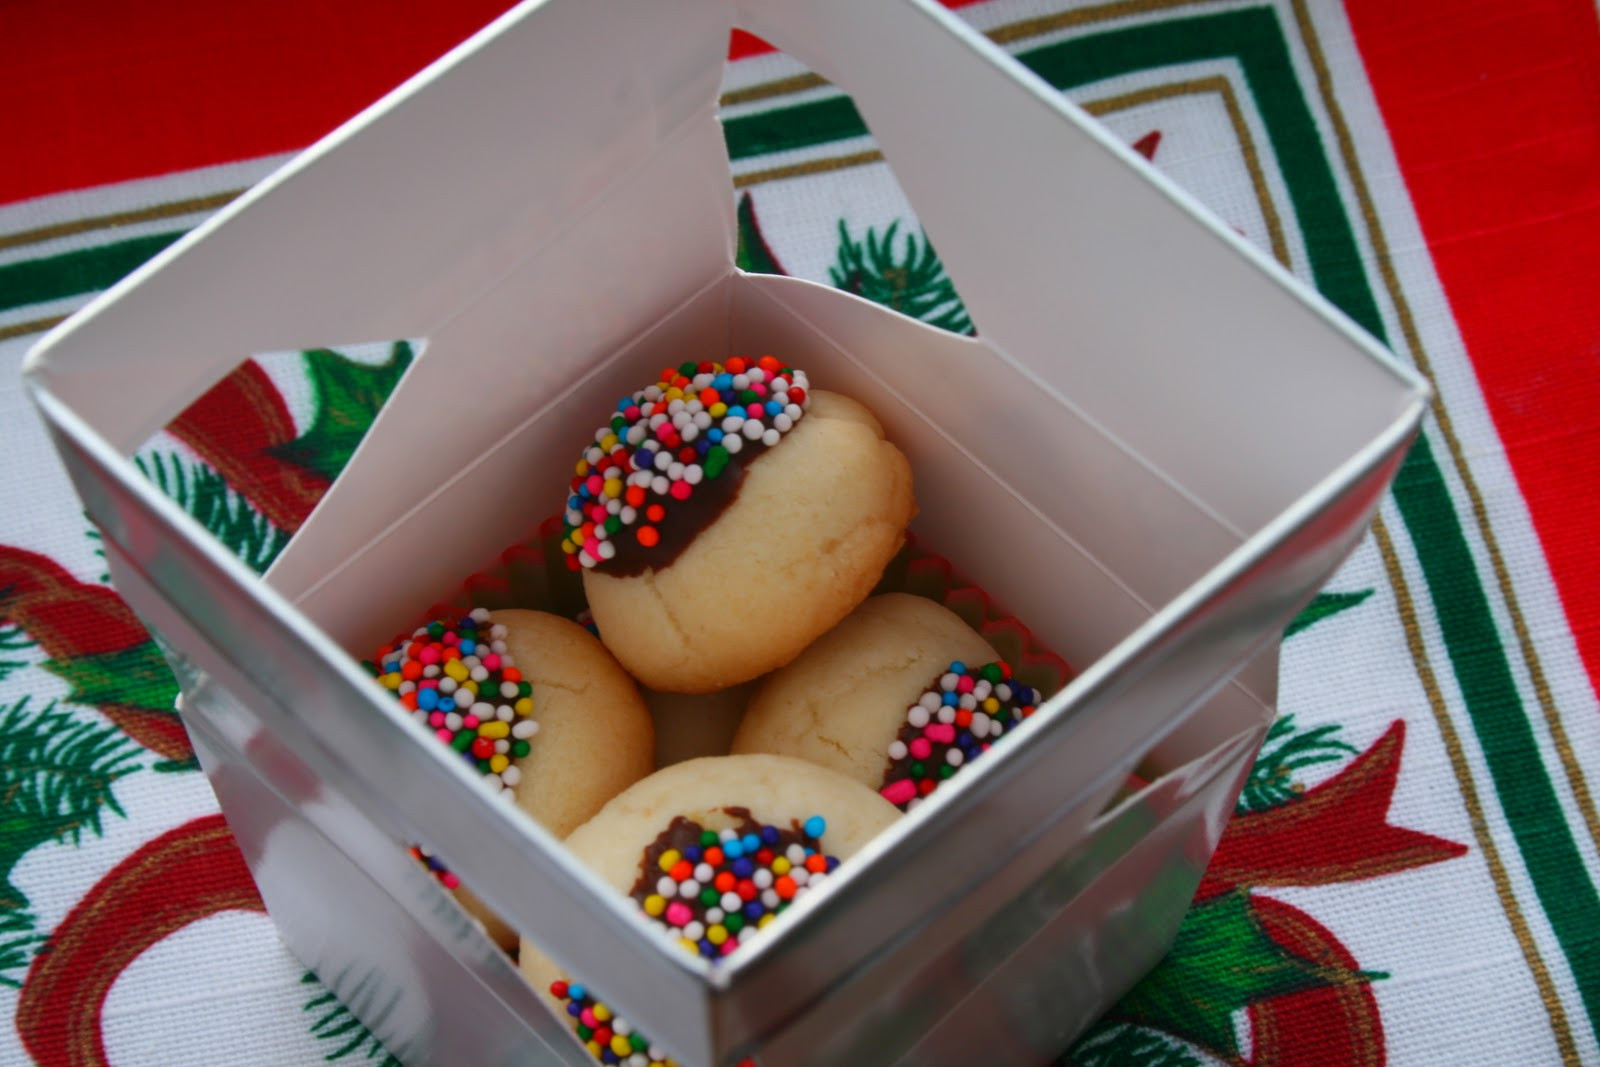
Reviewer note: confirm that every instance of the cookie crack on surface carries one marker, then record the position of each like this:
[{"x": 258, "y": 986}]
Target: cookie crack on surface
[
  {"x": 565, "y": 686},
  {"x": 678, "y": 631},
  {"x": 835, "y": 745}
]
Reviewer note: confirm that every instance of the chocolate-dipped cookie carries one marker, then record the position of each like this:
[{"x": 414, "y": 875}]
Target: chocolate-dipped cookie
[
  {"x": 713, "y": 849},
  {"x": 727, "y": 516},
  {"x": 536, "y": 704},
  {"x": 899, "y": 696}
]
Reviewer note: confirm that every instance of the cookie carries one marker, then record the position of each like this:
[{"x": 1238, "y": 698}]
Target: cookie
[
  {"x": 760, "y": 830},
  {"x": 691, "y": 725},
  {"x": 898, "y": 697},
  {"x": 715, "y": 544},
  {"x": 565, "y": 733}
]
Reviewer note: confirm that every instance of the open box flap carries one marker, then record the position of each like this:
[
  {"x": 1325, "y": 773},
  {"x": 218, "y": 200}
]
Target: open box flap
[
  {"x": 390, "y": 226},
  {"x": 519, "y": 351},
  {"x": 982, "y": 180}
]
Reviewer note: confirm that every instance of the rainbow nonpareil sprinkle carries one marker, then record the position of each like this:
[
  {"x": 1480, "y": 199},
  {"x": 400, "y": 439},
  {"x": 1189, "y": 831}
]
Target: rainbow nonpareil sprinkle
[
  {"x": 953, "y": 723},
  {"x": 668, "y": 438},
  {"x": 458, "y": 679},
  {"x": 714, "y": 890}
]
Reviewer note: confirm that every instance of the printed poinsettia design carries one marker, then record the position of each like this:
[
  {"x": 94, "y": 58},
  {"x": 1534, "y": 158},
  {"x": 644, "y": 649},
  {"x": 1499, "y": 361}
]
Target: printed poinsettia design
[
  {"x": 1239, "y": 951},
  {"x": 250, "y": 480},
  {"x": 1239, "y": 954},
  {"x": 1241, "y": 958}
]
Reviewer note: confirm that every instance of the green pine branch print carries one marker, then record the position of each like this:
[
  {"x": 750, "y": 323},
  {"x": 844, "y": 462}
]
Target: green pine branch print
[
  {"x": 19, "y": 941},
  {"x": 911, "y": 280},
  {"x": 99, "y": 551},
  {"x": 334, "y": 1023},
  {"x": 1324, "y": 606},
  {"x": 12, "y": 641},
  {"x": 57, "y": 771},
  {"x": 226, "y": 515},
  {"x": 1114, "y": 1044},
  {"x": 1286, "y": 752}
]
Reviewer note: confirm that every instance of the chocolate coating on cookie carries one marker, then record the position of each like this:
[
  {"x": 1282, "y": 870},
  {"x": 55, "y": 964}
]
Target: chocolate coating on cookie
[
  {"x": 671, "y": 460},
  {"x": 762, "y": 828},
  {"x": 814, "y": 523},
  {"x": 955, "y": 720}
]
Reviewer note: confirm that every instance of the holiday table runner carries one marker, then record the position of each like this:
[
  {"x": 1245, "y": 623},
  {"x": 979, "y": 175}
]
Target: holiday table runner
[{"x": 1410, "y": 875}]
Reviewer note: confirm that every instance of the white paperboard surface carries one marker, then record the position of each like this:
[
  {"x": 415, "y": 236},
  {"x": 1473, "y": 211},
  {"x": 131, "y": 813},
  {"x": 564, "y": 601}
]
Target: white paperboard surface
[{"x": 1156, "y": 445}]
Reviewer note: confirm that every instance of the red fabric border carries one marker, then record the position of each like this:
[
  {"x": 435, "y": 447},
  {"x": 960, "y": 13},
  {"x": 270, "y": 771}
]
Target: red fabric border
[
  {"x": 99, "y": 92},
  {"x": 1494, "y": 112}
]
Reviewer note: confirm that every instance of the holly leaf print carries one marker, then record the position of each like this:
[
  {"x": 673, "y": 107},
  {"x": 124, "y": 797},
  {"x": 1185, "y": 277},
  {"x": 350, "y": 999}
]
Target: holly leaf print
[
  {"x": 1221, "y": 962},
  {"x": 348, "y": 395},
  {"x": 753, "y": 253}
]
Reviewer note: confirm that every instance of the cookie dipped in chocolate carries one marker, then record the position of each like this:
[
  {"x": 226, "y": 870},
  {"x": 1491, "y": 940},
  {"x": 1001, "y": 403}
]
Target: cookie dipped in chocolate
[
  {"x": 772, "y": 823},
  {"x": 804, "y": 539}
]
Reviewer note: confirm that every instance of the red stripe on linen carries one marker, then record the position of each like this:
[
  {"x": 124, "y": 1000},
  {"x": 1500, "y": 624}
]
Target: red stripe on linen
[{"x": 1494, "y": 112}]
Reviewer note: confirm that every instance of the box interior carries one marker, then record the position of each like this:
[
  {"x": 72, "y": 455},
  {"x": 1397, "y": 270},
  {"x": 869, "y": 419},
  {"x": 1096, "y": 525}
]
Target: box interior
[{"x": 554, "y": 218}]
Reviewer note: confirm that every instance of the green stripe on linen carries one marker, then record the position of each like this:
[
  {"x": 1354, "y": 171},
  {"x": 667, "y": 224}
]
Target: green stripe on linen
[
  {"x": 88, "y": 270},
  {"x": 1255, "y": 39}
]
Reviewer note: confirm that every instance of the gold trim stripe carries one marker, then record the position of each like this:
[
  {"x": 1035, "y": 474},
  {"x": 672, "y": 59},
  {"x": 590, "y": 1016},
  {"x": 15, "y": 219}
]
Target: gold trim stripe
[
  {"x": 810, "y": 166},
  {"x": 22, "y": 329},
  {"x": 1120, "y": 9},
  {"x": 121, "y": 218},
  {"x": 1481, "y": 831},
  {"x": 767, "y": 90},
  {"x": 1010, "y": 32},
  {"x": 1480, "y": 510}
]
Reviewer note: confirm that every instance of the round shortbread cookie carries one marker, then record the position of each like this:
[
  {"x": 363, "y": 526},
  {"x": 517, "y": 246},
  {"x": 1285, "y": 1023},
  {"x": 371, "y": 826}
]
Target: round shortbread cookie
[
  {"x": 815, "y": 521},
  {"x": 595, "y": 738},
  {"x": 843, "y": 700},
  {"x": 715, "y": 792}
]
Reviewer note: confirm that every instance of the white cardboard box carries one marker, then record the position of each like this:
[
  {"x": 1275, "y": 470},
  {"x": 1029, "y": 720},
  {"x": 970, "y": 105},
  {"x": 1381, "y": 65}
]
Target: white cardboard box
[{"x": 1178, "y": 442}]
